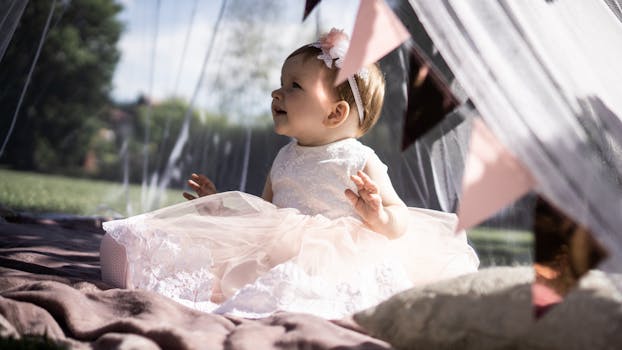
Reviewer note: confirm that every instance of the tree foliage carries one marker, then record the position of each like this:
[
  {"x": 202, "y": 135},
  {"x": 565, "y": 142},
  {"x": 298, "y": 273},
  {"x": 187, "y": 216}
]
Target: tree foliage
[
  {"x": 69, "y": 91},
  {"x": 242, "y": 81}
]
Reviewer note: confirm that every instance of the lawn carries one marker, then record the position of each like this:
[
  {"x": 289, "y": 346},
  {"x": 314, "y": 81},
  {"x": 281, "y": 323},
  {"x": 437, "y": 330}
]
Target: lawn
[
  {"x": 502, "y": 246},
  {"x": 39, "y": 193}
]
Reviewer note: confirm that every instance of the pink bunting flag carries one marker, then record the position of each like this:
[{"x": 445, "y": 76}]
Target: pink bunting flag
[
  {"x": 377, "y": 31},
  {"x": 493, "y": 178},
  {"x": 429, "y": 99}
]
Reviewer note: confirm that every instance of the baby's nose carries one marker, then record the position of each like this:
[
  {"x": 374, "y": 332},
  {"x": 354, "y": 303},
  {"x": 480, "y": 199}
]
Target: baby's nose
[{"x": 276, "y": 94}]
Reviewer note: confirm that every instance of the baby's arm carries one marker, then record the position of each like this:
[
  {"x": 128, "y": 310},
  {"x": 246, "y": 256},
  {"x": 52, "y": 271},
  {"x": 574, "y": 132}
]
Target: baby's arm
[
  {"x": 377, "y": 202},
  {"x": 267, "y": 190},
  {"x": 201, "y": 184}
]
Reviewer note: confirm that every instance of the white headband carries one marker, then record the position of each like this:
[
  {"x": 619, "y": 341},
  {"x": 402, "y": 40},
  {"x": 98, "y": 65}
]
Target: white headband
[{"x": 334, "y": 46}]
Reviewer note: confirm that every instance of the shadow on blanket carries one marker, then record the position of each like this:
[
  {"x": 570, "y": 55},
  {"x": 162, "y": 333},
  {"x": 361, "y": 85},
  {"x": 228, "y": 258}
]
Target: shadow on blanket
[{"x": 50, "y": 285}]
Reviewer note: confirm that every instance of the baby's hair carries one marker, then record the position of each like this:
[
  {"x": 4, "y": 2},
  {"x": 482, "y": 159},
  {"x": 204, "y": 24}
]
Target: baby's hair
[{"x": 371, "y": 88}]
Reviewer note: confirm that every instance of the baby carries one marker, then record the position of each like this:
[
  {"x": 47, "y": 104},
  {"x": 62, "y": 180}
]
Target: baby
[{"x": 329, "y": 235}]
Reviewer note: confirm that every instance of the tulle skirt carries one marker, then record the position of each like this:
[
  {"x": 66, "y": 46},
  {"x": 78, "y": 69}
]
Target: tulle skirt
[{"x": 236, "y": 253}]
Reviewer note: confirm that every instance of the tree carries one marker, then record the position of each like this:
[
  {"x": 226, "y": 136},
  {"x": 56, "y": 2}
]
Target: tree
[
  {"x": 167, "y": 118},
  {"x": 242, "y": 82},
  {"x": 69, "y": 91}
]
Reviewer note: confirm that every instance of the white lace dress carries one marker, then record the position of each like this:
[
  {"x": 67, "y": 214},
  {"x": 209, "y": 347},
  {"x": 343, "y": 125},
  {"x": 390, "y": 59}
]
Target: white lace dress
[{"x": 307, "y": 251}]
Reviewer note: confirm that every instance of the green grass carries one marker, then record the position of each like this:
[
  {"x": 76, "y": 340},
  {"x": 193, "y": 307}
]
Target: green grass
[
  {"x": 502, "y": 246},
  {"x": 42, "y": 193},
  {"x": 500, "y": 235}
]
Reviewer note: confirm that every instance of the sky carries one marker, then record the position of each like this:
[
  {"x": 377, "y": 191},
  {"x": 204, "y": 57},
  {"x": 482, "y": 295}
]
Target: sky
[{"x": 175, "y": 67}]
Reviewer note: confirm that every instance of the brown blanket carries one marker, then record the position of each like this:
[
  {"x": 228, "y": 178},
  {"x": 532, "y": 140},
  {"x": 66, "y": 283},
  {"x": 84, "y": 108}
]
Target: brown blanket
[{"x": 50, "y": 284}]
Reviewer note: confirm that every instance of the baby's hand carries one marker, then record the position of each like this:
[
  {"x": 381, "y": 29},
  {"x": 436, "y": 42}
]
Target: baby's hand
[
  {"x": 368, "y": 202},
  {"x": 201, "y": 185}
]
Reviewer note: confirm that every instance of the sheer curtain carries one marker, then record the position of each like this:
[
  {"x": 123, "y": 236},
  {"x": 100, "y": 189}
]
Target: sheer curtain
[
  {"x": 543, "y": 74},
  {"x": 10, "y": 13},
  {"x": 546, "y": 78},
  {"x": 616, "y": 7},
  {"x": 428, "y": 173}
]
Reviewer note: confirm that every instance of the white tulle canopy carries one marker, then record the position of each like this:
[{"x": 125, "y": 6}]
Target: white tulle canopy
[
  {"x": 546, "y": 78},
  {"x": 544, "y": 75}
]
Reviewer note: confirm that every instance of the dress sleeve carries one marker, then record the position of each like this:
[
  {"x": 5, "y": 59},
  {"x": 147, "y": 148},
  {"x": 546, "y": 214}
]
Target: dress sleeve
[{"x": 373, "y": 159}]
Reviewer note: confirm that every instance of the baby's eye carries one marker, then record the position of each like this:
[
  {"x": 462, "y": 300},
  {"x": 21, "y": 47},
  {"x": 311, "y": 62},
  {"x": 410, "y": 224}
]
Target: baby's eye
[{"x": 296, "y": 85}]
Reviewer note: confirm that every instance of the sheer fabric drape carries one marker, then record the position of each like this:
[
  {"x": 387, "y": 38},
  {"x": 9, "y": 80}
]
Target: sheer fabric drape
[
  {"x": 10, "y": 14},
  {"x": 545, "y": 76}
]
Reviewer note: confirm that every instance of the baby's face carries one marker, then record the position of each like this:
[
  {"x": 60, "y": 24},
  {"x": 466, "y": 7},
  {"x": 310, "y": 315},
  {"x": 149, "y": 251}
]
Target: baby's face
[{"x": 304, "y": 99}]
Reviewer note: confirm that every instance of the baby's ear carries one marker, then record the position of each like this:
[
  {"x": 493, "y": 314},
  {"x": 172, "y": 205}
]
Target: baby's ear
[{"x": 338, "y": 114}]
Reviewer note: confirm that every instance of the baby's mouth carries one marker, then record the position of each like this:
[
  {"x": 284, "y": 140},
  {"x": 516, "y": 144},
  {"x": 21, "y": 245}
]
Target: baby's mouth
[{"x": 278, "y": 111}]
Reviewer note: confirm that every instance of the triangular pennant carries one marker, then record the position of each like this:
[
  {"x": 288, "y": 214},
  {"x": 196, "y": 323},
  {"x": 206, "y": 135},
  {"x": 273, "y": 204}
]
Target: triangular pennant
[
  {"x": 377, "y": 31},
  {"x": 309, "y": 6},
  {"x": 429, "y": 99},
  {"x": 493, "y": 178}
]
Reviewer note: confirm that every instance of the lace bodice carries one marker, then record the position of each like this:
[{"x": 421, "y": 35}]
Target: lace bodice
[{"x": 313, "y": 179}]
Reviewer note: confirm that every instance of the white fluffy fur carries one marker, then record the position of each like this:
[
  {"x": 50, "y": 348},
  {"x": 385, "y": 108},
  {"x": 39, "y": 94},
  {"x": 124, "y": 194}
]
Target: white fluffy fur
[{"x": 491, "y": 309}]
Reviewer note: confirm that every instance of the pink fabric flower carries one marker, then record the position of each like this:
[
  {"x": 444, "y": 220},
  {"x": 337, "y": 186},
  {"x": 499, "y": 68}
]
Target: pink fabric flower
[
  {"x": 332, "y": 39},
  {"x": 334, "y": 45}
]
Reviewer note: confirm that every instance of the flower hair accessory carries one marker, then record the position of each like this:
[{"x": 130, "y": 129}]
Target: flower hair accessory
[{"x": 334, "y": 46}]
